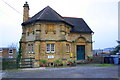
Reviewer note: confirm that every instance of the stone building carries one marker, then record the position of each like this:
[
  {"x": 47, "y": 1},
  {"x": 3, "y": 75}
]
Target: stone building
[{"x": 49, "y": 36}]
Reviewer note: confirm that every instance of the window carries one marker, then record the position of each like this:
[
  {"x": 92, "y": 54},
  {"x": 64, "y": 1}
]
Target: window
[
  {"x": 10, "y": 51},
  {"x": 1, "y": 49},
  {"x": 50, "y": 56},
  {"x": 67, "y": 48},
  {"x": 50, "y": 48},
  {"x": 10, "y": 56},
  {"x": 30, "y": 48}
]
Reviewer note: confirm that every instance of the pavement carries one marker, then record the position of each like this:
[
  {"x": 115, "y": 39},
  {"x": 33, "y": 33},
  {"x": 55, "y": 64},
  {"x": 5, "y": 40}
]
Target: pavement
[{"x": 85, "y": 71}]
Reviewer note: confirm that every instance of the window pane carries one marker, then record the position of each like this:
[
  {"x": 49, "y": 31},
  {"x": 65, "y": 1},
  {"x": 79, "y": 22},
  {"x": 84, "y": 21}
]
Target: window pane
[
  {"x": 52, "y": 47},
  {"x": 32, "y": 48},
  {"x": 48, "y": 47},
  {"x": 67, "y": 48},
  {"x": 28, "y": 47}
]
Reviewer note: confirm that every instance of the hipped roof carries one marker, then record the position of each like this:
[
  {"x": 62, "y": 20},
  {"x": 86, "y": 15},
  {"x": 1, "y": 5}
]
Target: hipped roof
[{"x": 50, "y": 15}]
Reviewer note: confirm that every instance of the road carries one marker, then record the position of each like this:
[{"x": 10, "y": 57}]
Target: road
[{"x": 69, "y": 72}]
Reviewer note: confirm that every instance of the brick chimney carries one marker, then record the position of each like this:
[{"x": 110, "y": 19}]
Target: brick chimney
[{"x": 25, "y": 12}]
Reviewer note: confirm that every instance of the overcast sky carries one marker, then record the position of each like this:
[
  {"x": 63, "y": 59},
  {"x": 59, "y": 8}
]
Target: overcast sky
[{"x": 100, "y": 15}]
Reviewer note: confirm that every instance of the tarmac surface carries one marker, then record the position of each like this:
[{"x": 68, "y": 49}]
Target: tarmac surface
[{"x": 86, "y": 71}]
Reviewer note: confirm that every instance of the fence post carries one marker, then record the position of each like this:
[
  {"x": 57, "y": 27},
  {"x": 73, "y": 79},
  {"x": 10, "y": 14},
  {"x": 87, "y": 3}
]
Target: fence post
[
  {"x": 17, "y": 63},
  {"x": 31, "y": 62}
]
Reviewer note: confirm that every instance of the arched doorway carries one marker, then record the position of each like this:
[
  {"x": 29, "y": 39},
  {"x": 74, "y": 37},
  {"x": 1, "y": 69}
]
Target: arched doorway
[{"x": 80, "y": 48}]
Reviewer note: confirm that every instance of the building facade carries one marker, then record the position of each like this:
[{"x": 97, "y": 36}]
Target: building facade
[
  {"x": 7, "y": 53},
  {"x": 49, "y": 36}
]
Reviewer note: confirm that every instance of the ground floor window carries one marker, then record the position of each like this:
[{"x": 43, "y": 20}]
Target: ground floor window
[
  {"x": 50, "y": 48},
  {"x": 30, "y": 48},
  {"x": 67, "y": 48}
]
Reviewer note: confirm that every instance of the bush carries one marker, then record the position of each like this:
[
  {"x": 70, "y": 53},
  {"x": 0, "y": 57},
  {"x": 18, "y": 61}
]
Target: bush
[
  {"x": 43, "y": 61},
  {"x": 58, "y": 62}
]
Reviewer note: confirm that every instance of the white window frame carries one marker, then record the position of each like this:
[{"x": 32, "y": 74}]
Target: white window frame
[{"x": 49, "y": 50}]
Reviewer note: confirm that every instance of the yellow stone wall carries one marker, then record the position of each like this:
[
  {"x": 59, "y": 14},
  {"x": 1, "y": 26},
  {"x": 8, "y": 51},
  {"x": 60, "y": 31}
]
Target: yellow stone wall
[{"x": 59, "y": 35}]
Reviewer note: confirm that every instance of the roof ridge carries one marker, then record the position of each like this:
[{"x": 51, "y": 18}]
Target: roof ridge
[
  {"x": 71, "y": 17},
  {"x": 42, "y": 13}
]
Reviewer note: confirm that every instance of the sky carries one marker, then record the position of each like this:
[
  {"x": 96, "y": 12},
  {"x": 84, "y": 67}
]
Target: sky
[{"x": 100, "y": 15}]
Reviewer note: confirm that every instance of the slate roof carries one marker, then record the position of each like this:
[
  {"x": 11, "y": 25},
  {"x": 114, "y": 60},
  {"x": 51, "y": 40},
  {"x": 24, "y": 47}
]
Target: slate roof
[
  {"x": 48, "y": 14},
  {"x": 79, "y": 25}
]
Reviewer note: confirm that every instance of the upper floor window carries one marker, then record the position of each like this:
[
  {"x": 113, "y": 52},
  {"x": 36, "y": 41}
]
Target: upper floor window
[
  {"x": 67, "y": 48},
  {"x": 50, "y": 48},
  {"x": 10, "y": 51}
]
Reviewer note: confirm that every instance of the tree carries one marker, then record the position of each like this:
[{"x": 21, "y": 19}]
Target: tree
[{"x": 13, "y": 45}]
